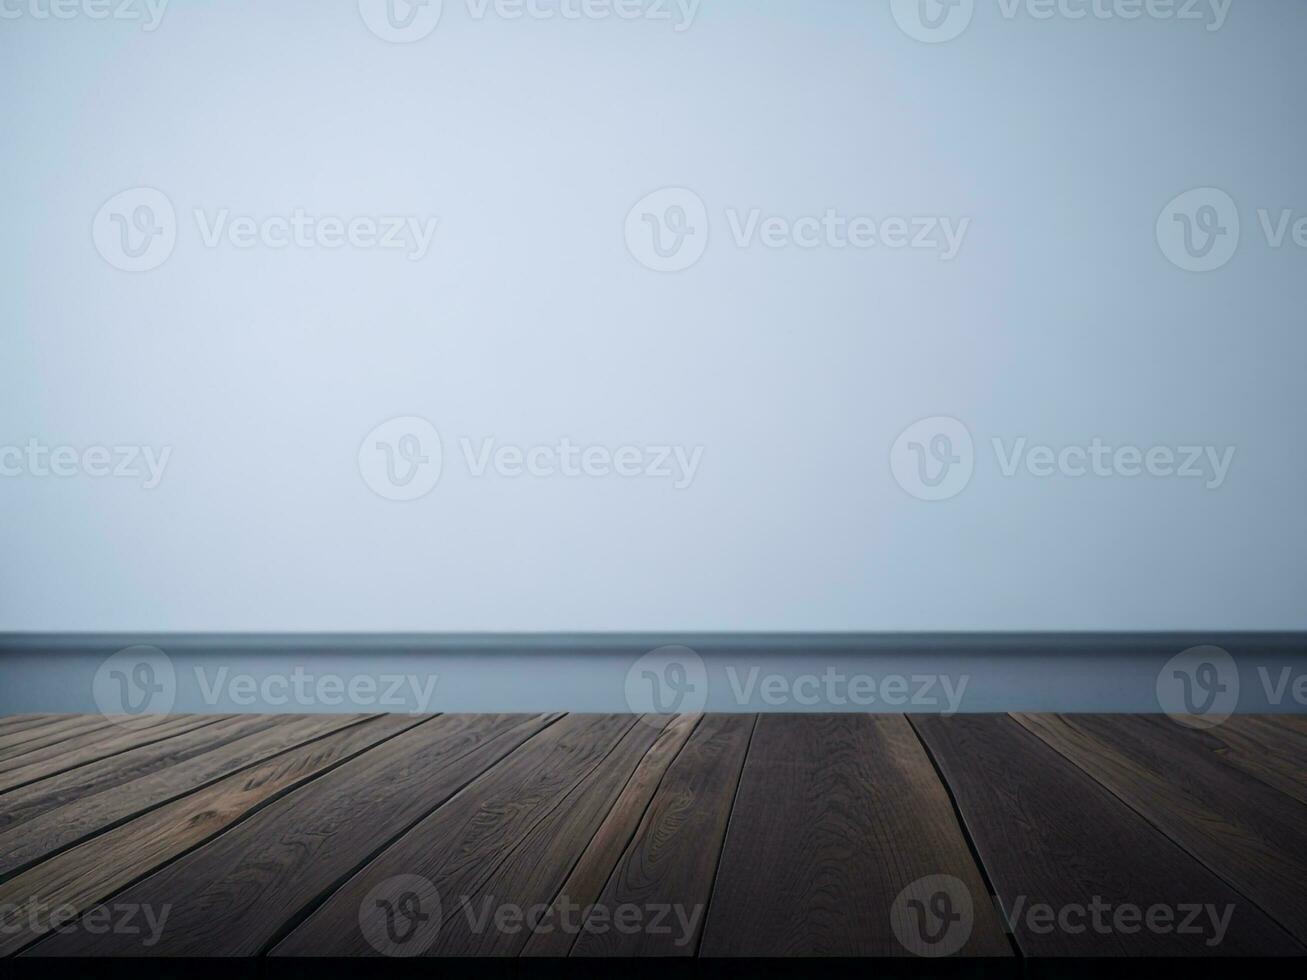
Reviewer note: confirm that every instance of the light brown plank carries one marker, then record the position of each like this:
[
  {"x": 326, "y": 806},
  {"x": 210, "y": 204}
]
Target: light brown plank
[
  {"x": 457, "y": 846},
  {"x": 62, "y": 826},
  {"x": 238, "y": 892},
  {"x": 51, "y": 733},
  {"x": 94, "y": 746},
  {"x": 30, "y": 801},
  {"x": 89, "y": 873},
  {"x": 587, "y": 879},
  {"x": 671, "y": 862},
  {"x": 532, "y": 875}
]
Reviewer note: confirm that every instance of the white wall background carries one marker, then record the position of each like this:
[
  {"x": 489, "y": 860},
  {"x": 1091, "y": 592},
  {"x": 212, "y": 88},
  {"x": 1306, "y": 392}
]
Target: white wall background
[{"x": 529, "y": 320}]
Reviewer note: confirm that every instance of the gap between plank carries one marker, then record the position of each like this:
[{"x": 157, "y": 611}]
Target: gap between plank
[
  {"x": 1144, "y": 817},
  {"x": 69, "y": 845},
  {"x": 716, "y": 871},
  {"x": 242, "y": 818},
  {"x": 129, "y": 748},
  {"x": 976, "y": 859},
  {"x": 635, "y": 828},
  {"x": 302, "y": 914}
]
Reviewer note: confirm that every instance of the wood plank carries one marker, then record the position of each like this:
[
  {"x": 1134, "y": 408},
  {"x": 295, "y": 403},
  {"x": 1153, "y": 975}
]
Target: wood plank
[
  {"x": 457, "y": 847},
  {"x": 51, "y": 733},
  {"x": 63, "y": 826},
  {"x": 672, "y": 859},
  {"x": 28, "y": 802},
  {"x": 536, "y": 870},
  {"x": 237, "y": 893},
  {"x": 1251, "y": 834},
  {"x": 1049, "y": 835},
  {"x": 91, "y": 872},
  {"x": 94, "y": 746},
  {"x": 588, "y": 877},
  {"x": 1274, "y": 753},
  {"x": 836, "y": 815},
  {"x": 11, "y": 724}
]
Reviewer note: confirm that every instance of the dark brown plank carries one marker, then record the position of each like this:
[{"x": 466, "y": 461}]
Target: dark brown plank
[
  {"x": 534, "y": 873},
  {"x": 458, "y": 846},
  {"x": 1182, "y": 781},
  {"x": 596, "y": 862},
  {"x": 85, "y": 875},
  {"x": 669, "y": 866},
  {"x": 93, "y": 746},
  {"x": 235, "y": 894},
  {"x": 1264, "y": 747},
  {"x": 28, "y": 802},
  {"x": 1049, "y": 835},
  {"x": 66, "y": 825},
  {"x": 836, "y": 815}
]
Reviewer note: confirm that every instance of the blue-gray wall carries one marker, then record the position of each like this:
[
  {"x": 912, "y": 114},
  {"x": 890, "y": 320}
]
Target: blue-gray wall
[{"x": 1068, "y": 313}]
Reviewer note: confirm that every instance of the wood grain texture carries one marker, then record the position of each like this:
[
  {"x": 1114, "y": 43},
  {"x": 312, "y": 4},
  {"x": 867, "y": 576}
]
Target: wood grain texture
[
  {"x": 50, "y": 733},
  {"x": 1264, "y": 747},
  {"x": 835, "y": 816},
  {"x": 1050, "y": 835},
  {"x": 94, "y": 746},
  {"x": 30, "y": 801},
  {"x": 671, "y": 861},
  {"x": 91, "y": 872},
  {"x": 459, "y": 845},
  {"x": 721, "y": 835},
  {"x": 1182, "y": 781},
  {"x": 593, "y": 866},
  {"x": 62, "y": 826},
  {"x": 531, "y": 876},
  {"x": 234, "y": 895},
  {"x": 16, "y": 723}
]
